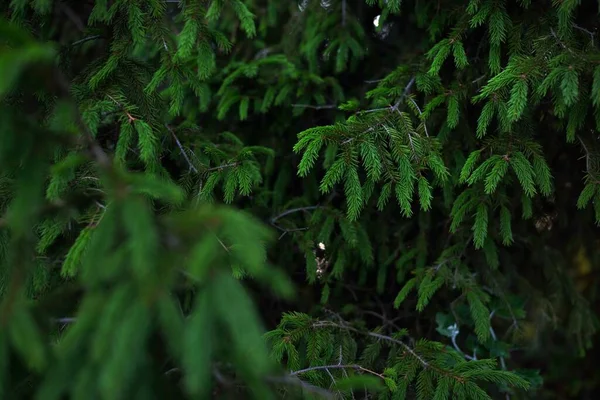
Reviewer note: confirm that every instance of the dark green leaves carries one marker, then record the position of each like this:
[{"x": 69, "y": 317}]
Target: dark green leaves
[{"x": 15, "y": 61}]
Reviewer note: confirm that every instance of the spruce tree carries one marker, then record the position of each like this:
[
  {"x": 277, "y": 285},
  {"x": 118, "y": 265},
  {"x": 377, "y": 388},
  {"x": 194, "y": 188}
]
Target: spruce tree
[{"x": 308, "y": 199}]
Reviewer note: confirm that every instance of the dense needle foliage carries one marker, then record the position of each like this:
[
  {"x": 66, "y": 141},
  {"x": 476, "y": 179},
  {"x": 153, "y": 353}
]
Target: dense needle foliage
[{"x": 375, "y": 199}]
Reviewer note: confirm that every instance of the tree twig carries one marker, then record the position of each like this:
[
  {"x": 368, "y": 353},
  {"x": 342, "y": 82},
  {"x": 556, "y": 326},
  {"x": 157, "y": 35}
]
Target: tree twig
[
  {"x": 86, "y": 39},
  {"x": 294, "y": 380},
  {"x": 423, "y": 362},
  {"x": 220, "y": 167},
  {"x": 586, "y": 31},
  {"x": 337, "y": 366},
  {"x": 287, "y": 212},
  {"x": 293, "y": 210},
  {"x": 421, "y": 114},
  {"x": 323, "y": 107},
  {"x": 181, "y": 149},
  {"x": 405, "y": 92}
]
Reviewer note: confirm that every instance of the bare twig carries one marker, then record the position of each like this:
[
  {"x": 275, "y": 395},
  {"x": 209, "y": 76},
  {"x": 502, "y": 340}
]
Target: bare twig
[
  {"x": 351, "y": 139},
  {"x": 293, "y": 380},
  {"x": 337, "y": 366},
  {"x": 220, "y": 167},
  {"x": 405, "y": 92},
  {"x": 323, "y": 107},
  {"x": 222, "y": 244},
  {"x": 287, "y": 212},
  {"x": 87, "y": 39},
  {"x": 192, "y": 168},
  {"x": 564, "y": 46},
  {"x": 478, "y": 79},
  {"x": 372, "y": 110},
  {"x": 455, "y": 331},
  {"x": 131, "y": 117},
  {"x": 421, "y": 114},
  {"x": 493, "y": 334},
  {"x": 391, "y": 108},
  {"x": 293, "y": 210},
  {"x": 586, "y": 31},
  {"x": 344, "y": 325},
  {"x": 384, "y": 319},
  {"x": 66, "y": 320},
  {"x": 587, "y": 154}
]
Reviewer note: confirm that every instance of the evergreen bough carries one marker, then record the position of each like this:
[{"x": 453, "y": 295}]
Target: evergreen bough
[{"x": 420, "y": 180}]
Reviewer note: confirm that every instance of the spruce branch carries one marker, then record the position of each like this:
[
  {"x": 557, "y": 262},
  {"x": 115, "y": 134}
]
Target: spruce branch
[
  {"x": 131, "y": 118},
  {"x": 344, "y": 325}
]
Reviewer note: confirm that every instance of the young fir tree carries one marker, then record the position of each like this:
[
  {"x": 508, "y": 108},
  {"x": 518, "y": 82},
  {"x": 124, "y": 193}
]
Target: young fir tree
[{"x": 305, "y": 199}]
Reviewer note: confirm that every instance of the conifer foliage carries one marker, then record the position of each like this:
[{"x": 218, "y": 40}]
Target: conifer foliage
[{"x": 306, "y": 199}]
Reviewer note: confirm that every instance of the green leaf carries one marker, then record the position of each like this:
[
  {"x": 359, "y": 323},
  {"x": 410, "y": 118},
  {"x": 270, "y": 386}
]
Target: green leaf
[
  {"x": 244, "y": 108},
  {"x": 588, "y": 192},
  {"x": 469, "y": 165},
  {"x": 460, "y": 57},
  {"x": 15, "y": 62},
  {"x": 198, "y": 345},
  {"x": 569, "y": 86},
  {"x": 480, "y": 315},
  {"x": 453, "y": 112},
  {"x": 595, "y": 95},
  {"x": 236, "y": 310},
  {"x": 143, "y": 240},
  {"x": 425, "y": 195},
  {"x": 27, "y": 340},
  {"x": 494, "y": 177},
  {"x": 75, "y": 254},
  {"x": 405, "y": 291},
  {"x": 126, "y": 353},
  {"x": 481, "y": 225},
  {"x": 353, "y": 191},
  {"x": 518, "y": 100},
  {"x": 524, "y": 171}
]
